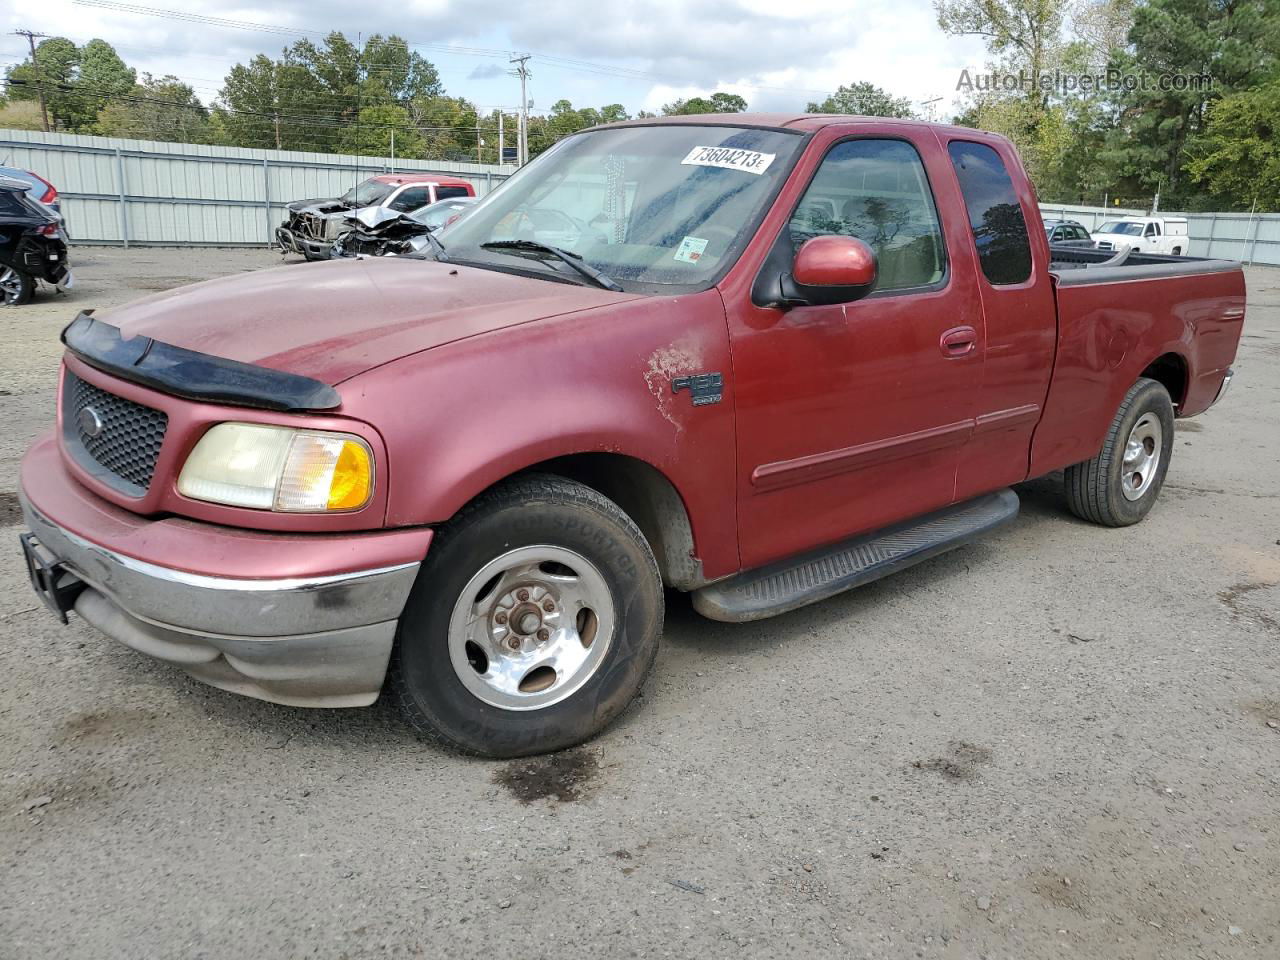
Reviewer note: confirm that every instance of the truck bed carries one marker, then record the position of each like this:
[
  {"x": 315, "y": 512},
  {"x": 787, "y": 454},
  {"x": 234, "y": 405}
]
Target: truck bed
[
  {"x": 1072, "y": 266},
  {"x": 1176, "y": 319}
]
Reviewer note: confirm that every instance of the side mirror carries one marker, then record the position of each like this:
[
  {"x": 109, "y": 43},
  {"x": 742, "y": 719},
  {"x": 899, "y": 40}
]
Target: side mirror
[{"x": 829, "y": 270}]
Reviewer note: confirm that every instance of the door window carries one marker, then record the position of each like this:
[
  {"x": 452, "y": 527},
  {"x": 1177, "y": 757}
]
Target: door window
[
  {"x": 995, "y": 215},
  {"x": 877, "y": 191},
  {"x": 411, "y": 198},
  {"x": 448, "y": 193},
  {"x": 1152, "y": 230}
]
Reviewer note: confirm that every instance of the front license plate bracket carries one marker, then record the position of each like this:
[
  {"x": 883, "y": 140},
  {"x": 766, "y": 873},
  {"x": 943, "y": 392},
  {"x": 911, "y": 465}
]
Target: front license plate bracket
[{"x": 55, "y": 584}]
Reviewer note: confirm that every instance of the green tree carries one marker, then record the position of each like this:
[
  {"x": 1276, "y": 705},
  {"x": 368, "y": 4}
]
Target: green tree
[
  {"x": 77, "y": 81},
  {"x": 102, "y": 77},
  {"x": 313, "y": 94},
  {"x": 164, "y": 109},
  {"x": 372, "y": 136},
  {"x": 448, "y": 127},
  {"x": 1225, "y": 47},
  {"x": 716, "y": 103},
  {"x": 1021, "y": 34},
  {"x": 1237, "y": 157},
  {"x": 862, "y": 99}
]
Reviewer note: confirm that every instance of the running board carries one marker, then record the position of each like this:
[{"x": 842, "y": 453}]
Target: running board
[{"x": 795, "y": 582}]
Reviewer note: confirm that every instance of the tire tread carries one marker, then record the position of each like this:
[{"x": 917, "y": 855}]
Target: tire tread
[
  {"x": 1087, "y": 486},
  {"x": 525, "y": 491}
]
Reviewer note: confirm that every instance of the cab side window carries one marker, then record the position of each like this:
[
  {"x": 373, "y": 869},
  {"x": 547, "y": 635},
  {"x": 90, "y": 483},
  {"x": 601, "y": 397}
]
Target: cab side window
[
  {"x": 995, "y": 215},
  {"x": 1152, "y": 230},
  {"x": 448, "y": 193},
  {"x": 411, "y": 199},
  {"x": 877, "y": 191}
]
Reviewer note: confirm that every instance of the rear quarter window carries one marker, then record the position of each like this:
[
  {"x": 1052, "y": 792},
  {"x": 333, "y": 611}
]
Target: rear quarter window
[{"x": 995, "y": 215}]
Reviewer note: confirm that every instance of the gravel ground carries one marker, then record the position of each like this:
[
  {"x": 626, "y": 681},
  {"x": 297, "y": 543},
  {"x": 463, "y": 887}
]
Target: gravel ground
[{"x": 1058, "y": 742}]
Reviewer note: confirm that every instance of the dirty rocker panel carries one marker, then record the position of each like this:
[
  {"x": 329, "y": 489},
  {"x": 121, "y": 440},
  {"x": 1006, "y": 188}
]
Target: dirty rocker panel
[{"x": 188, "y": 373}]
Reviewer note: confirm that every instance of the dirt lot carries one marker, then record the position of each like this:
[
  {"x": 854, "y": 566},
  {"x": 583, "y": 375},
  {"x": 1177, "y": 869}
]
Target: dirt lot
[{"x": 1060, "y": 742}]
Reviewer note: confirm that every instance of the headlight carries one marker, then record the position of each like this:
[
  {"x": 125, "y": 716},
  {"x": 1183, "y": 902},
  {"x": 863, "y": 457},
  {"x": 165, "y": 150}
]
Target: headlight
[{"x": 279, "y": 468}]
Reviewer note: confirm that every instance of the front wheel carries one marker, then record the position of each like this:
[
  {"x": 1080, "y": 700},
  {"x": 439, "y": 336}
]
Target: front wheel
[
  {"x": 16, "y": 287},
  {"x": 1119, "y": 486},
  {"x": 533, "y": 623}
]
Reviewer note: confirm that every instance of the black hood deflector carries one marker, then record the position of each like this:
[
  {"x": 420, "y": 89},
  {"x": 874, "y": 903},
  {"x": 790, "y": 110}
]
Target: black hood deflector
[{"x": 190, "y": 374}]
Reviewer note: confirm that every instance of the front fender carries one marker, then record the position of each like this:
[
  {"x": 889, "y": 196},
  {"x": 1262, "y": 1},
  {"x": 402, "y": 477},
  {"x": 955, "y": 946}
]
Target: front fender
[{"x": 459, "y": 418}]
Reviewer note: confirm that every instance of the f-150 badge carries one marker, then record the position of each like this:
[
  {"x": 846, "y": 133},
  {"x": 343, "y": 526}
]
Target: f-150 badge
[{"x": 703, "y": 387}]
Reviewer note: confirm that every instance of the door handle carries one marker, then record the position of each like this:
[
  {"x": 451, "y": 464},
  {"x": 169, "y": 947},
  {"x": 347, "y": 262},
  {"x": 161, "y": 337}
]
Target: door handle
[{"x": 958, "y": 341}]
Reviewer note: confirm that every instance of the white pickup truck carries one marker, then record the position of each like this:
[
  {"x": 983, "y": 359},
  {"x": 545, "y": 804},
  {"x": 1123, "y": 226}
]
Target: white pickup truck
[{"x": 1144, "y": 234}]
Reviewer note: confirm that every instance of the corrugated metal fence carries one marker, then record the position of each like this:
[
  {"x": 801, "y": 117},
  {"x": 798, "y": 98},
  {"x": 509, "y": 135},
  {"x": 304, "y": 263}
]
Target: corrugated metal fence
[
  {"x": 141, "y": 191},
  {"x": 1252, "y": 238}
]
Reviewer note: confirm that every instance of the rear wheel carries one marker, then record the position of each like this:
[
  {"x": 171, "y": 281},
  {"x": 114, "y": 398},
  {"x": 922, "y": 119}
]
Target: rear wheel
[
  {"x": 16, "y": 287},
  {"x": 1119, "y": 486},
  {"x": 533, "y": 623},
  {"x": 1177, "y": 251}
]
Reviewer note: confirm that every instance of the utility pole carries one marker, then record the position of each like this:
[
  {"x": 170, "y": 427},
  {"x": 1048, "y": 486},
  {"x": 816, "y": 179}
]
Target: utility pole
[
  {"x": 501, "y": 142},
  {"x": 479, "y": 142},
  {"x": 31, "y": 41},
  {"x": 522, "y": 141}
]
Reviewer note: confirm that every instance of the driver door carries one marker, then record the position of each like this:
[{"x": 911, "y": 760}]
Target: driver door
[{"x": 852, "y": 417}]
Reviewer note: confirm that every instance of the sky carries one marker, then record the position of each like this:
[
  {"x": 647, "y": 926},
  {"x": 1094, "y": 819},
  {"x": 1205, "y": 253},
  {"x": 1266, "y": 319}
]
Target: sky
[{"x": 641, "y": 54}]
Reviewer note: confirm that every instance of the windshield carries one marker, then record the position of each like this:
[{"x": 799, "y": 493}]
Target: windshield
[
  {"x": 662, "y": 205},
  {"x": 368, "y": 194},
  {"x": 435, "y": 215},
  {"x": 1122, "y": 227}
]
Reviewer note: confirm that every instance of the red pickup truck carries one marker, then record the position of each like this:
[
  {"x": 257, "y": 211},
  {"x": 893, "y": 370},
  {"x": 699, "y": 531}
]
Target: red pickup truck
[{"x": 761, "y": 359}]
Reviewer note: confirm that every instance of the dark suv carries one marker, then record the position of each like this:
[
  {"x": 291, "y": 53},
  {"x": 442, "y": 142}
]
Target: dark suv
[
  {"x": 33, "y": 245},
  {"x": 1067, "y": 233}
]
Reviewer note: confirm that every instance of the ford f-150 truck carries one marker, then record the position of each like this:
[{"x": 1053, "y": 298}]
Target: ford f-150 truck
[{"x": 791, "y": 354}]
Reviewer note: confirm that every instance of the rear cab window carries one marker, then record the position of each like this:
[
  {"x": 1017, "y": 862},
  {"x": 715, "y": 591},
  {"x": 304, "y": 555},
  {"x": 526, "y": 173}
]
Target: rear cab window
[
  {"x": 995, "y": 214},
  {"x": 877, "y": 191}
]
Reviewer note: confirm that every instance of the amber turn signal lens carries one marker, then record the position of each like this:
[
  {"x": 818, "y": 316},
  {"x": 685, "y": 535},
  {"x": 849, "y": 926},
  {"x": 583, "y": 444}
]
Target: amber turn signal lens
[{"x": 352, "y": 478}]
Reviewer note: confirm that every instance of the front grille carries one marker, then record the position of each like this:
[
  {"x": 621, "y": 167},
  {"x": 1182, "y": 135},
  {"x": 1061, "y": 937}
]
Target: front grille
[
  {"x": 316, "y": 227},
  {"x": 124, "y": 450}
]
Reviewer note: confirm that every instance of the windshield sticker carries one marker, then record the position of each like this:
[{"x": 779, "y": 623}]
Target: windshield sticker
[
  {"x": 748, "y": 161},
  {"x": 690, "y": 249}
]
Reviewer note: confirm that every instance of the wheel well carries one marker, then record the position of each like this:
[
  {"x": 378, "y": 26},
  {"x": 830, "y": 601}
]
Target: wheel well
[
  {"x": 648, "y": 498},
  {"x": 1171, "y": 371}
]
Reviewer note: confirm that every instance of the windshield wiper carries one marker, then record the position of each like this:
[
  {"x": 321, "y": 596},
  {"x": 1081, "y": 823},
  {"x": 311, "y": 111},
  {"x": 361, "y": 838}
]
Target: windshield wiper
[
  {"x": 436, "y": 245},
  {"x": 520, "y": 247}
]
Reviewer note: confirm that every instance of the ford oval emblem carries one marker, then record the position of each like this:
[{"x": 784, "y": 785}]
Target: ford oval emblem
[{"x": 90, "y": 423}]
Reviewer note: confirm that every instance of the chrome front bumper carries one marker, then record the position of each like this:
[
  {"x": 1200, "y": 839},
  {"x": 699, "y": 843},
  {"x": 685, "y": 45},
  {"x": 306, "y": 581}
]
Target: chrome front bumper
[{"x": 313, "y": 642}]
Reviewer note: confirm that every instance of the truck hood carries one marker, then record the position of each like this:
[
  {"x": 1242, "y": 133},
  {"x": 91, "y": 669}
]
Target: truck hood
[{"x": 333, "y": 320}]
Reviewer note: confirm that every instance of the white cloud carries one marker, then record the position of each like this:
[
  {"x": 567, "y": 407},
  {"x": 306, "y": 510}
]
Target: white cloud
[{"x": 778, "y": 56}]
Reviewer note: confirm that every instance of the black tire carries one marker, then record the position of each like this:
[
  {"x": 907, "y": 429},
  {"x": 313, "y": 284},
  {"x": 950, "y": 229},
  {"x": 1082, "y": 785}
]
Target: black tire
[
  {"x": 526, "y": 511},
  {"x": 1177, "y": 251},
  {"x": 23, "y": 292},
  {"x": 1095, "y": 488}
]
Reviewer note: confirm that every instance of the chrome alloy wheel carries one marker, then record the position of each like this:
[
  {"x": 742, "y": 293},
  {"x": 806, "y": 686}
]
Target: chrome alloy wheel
[
  {"x": 1142, "y": 452},
  {"x": 531, "y": 627},
  {"x": 10, "y": 285}
]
